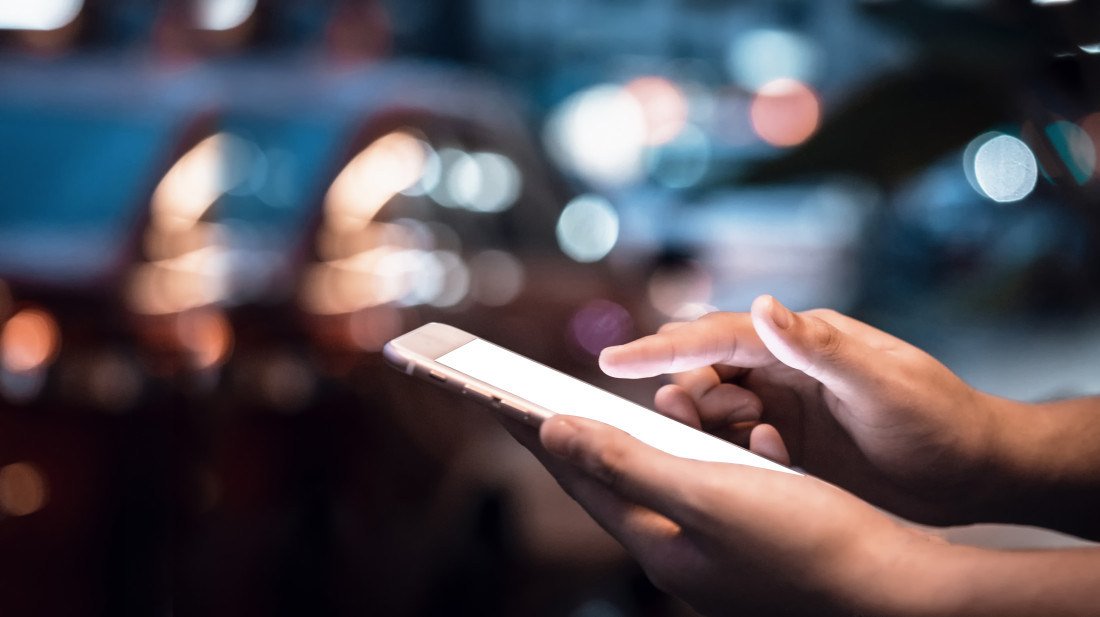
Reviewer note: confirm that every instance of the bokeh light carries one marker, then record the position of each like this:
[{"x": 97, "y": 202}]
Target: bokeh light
[
  {"x": 683, "y": 162},
  {"x": 38, "y": 14},
  {"x": 431, "y": 174},
  {"x": 765, "y": 55},
  {"x": 191, "y": 186},
  {"x": 785, "y": 112},
  {"x": 1075, "y": 148},
  {"x": 1000, "y": 167},
  {"x": 189, "y": 265},
  {"x": 377, "y": 276},
  {"x": 449, "y": 160},
  {"x": 388, "y": 166},
  {"x": 485, "y": 182},
  {"x": 206, "y": 335},
  {"x": 664, "y": 107},
  {"x": 588, "y": 228},
  {"x": 24, "y": 489},
  {"x": 29, "y": 341},
  {"x": 385, "y": 263},
  {"x": 223, "y": 14},
  {"x": 442, "y": 279},
  {"x": 194, "y": 279},
  {"x": 600, "y": 135},
  {"x": 600, "y": 324}
]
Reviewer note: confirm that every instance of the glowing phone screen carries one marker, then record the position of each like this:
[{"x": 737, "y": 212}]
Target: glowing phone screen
[{"x": 560, "y": 393}]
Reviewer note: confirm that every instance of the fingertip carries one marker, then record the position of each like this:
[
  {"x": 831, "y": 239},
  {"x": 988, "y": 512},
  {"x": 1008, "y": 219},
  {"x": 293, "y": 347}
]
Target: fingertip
[
  {"x": 558, "y": 435},
  {"x": 674, "y": 402},
  {"x": 766, "y": 441},
  {"x": 609, "y": 358},
  {"x": 761, "y": 306},
  {"x": 772, "y": 312},
  {"x": 625, "y": 362}
]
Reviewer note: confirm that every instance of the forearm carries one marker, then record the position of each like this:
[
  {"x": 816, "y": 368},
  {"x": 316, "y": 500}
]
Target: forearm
[
  {"x": 1046, "y": 462},
  {"x": 964, "y": 581}
]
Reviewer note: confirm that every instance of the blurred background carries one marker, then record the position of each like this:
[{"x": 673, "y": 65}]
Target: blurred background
[{"x": 214, "y": 213}]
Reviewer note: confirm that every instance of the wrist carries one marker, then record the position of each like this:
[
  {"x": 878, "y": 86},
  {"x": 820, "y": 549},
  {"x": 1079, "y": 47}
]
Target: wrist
[
  {"x": 907, "y": 578},
  {"x": 1044, "y": 466},
  {"x": 977, "y": 473},
  {"x": 999, "y": 474}
]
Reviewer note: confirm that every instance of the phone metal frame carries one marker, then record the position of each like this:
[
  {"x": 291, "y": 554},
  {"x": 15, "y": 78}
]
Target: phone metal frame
[{"x": 415, "y": 353}]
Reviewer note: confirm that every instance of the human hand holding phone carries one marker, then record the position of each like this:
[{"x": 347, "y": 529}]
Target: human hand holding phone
[
  {"x": 728, "y": 538},
  {"x": 868, "y": 409}
]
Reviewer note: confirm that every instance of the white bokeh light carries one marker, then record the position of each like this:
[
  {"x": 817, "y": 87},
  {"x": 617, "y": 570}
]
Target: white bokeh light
[
  {"x": 454, "y": 165},
  {"x": 1001, "y": 167},
  {"x": 441, "y": 279},
  {"x": 765, "y": 55},
  {"x": 430, "y": 177},
  {"x": 38, "y": 14},
  {"x": 223, "y": 14},
  {"x": 600, "y": 135},
  {"x": 588, "y": 228},
  {"x": 485, "y": 182}
]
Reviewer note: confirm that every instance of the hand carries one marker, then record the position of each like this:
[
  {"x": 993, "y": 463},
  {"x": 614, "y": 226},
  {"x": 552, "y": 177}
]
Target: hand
[
  {"x": 843, "y": 400},
  {"x": 732, "y": 539}
]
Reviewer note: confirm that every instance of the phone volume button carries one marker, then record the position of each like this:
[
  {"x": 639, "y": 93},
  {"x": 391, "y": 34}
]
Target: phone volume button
[
  {"x": 477, "y": 393},
  {"x": 437, "y": 376}
]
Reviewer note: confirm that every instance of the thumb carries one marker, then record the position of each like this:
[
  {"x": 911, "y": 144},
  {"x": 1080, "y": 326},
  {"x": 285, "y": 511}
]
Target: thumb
[
  {"x": 627, "y": 467},
  {"x": 837, "y": 358}
]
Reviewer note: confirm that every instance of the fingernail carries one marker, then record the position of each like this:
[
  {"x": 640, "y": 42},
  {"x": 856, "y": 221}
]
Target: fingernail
[
  {"x": 605, "y": 360},
  {"x": 781, "y": 316},
  {"x": 560, "y": 437},
  {"x": 607, "y": 351}
]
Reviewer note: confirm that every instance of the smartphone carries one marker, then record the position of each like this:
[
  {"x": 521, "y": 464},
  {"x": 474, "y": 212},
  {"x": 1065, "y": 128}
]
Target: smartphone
[{"x": 531, "y": 392}]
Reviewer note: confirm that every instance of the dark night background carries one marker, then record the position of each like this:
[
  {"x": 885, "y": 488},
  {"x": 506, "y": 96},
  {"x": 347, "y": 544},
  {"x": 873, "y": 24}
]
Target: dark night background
[{"x": 213, "y": 213}]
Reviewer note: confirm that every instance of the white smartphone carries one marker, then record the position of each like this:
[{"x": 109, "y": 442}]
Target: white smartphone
[{"x": 531, "y": 392}]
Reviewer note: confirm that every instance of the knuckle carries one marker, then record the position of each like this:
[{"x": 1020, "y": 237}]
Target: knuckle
[
  {"x": 826, "y": 337},
  {"x": 608, "y": 464}
]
